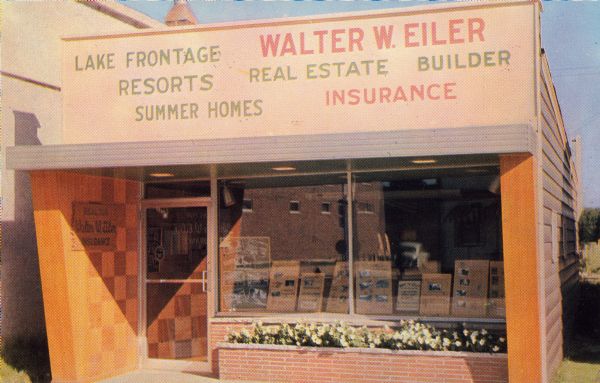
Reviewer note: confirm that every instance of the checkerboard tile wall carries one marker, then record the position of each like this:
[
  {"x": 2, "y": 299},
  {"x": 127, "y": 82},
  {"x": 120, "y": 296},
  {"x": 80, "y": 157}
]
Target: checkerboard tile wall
[
  {"x": 90, "y": 297},
  {"x": 112, "y": 289},
  {"x": 177, "y": 321}
]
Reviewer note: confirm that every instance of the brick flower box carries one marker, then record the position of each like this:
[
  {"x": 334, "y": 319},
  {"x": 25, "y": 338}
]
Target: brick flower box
[{"x": 272, "y": 363}]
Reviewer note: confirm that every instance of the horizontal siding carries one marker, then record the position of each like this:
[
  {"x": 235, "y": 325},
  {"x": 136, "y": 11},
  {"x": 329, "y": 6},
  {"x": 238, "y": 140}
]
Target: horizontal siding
[
  {"x": 557, "y": 184},
  {"x": 554, "y": 161},
  {"x": 569, "y": 271},
  {"x": 551, "y": 268},
  {"x": 553, "y": 291},
  {"x": 552, "y": 167},
  {"x": 559, "y": 196},
  {"x": 555, "y": 355},
  {"x": 556, "y": 204},
  {"x": 553, "y": 318}
]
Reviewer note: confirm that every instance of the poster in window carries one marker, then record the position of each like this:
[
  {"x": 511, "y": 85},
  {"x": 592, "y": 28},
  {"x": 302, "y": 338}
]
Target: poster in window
[
  {"x": 310, "y": 298},
  {"x": 374, "y": 287},
  {"x": 249, "y": 289},
  {"x": 337, "y": 302},
  {"x": 244, "y": 252},
  {"x": 435, "y": 294},
  {"x": 496, "y": 302},
  {"x": 244, "y": 265},
  {"x": 470, "y": 288},
  {"x": 283, "y": 286},
  {"x": 409, "y": 296}
]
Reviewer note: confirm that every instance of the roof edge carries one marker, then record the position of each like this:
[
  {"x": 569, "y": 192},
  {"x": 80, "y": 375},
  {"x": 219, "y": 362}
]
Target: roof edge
[{"x": 314, "y": 19}]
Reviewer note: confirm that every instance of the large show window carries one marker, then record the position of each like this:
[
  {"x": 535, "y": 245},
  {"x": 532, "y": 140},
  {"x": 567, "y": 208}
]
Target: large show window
[
  {"x": 423, "y": 244},
  {"x": 283, "y": 254},
  {"x": 428, "y": 246}
]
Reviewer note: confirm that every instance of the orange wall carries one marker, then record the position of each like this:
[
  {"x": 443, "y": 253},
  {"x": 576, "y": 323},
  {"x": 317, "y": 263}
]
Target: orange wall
[
  {"x": 90, "y": 297},
  {"x": 519, "y": 232}
]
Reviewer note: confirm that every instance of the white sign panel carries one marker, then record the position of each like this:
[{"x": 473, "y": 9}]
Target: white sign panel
[{"x": 440, "y": 68}]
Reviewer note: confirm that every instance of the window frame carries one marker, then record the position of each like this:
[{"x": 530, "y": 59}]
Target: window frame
[
  {"x": 294, "y": 211},
  {"x": 350, "y": 317},
  {"x": 328, "y": 204},
  {"x": 244, "y": 208}
]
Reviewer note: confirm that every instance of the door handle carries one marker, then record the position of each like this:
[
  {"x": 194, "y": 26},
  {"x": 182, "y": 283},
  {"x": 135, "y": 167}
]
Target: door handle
[{"x": 204, "y": 280}]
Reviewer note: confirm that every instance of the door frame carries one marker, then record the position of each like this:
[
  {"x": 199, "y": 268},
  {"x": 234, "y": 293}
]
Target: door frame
[{"x": 168, "y": 364}]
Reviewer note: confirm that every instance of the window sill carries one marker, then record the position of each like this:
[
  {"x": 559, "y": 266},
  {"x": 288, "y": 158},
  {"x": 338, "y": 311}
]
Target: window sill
[{"x": 355, "y": 320}]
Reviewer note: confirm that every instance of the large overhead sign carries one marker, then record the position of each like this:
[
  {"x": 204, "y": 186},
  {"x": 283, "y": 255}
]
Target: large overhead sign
[{"x": 450, "y": 66}]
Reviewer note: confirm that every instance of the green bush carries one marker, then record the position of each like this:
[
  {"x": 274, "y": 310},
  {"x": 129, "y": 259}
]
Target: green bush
[
  {"x": 10, "y": 375},
  {"x": 410, "y": 335},
  {"x": 589, "y": 225}
]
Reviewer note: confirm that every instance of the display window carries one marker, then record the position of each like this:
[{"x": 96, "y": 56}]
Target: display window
[
  {"x": 431, "y": 246},
  {"x": 389, "y": 244},
  {"x": 286, "y": 256}
]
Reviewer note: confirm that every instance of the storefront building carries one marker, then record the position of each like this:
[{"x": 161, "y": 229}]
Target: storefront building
[{"x": 366, "y": 167}]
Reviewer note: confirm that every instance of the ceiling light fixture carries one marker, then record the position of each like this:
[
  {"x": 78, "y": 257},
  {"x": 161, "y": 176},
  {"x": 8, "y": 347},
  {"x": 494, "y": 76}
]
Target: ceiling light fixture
[
  {"x": 424, "y": 161},
  {"x": 162, "y": 175},
  {"x": 284, "y": 168}
]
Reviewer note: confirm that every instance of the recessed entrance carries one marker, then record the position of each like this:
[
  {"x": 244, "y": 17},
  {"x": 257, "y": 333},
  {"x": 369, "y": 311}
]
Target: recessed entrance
[{"x": 176, "y": 281}]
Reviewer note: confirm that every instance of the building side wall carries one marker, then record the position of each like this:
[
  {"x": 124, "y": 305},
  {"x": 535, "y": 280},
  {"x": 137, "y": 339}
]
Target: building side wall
[
  {"x": 32, "y": 32},
  {"x": 90, "y": 296},
  {"x": 560, "y": 196},
  {"x": 32, "y": 115}
]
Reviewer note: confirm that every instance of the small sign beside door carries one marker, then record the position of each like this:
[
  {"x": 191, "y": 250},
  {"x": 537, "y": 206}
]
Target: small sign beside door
[{"x": 94, "y": 225}]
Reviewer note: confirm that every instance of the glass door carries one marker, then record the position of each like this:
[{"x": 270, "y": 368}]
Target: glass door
[{"x": 176, "y": 282}]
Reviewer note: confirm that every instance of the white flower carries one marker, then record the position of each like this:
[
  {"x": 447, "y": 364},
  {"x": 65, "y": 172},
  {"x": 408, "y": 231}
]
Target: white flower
[
  {"x": 482, "y": 342},
  {"x": 458, "y": 343},
  {"x": 495, "y": 348}
]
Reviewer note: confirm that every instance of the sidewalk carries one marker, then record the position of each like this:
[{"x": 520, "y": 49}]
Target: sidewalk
[{"x": 153, "y": 376}]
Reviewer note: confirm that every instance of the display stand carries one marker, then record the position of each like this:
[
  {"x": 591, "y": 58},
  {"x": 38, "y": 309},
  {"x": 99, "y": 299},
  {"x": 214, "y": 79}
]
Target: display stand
[
  {"x": 409, "y": 296},
  {"x": 337, "y": 302},
  {"x": 470, "y": 288},
  {"x": 435, "y": 294},
  {"x": 310, "y": 298},
  {"x": 373, "y": 287},
  {"x": 283, "y": 286}
]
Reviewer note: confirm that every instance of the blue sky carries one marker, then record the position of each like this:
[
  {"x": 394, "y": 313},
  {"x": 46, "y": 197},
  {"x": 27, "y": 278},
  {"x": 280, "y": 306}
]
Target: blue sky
[{"x": 570, "y": 36}]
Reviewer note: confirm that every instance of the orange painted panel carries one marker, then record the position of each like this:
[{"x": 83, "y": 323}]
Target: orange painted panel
[
  {"x": 89, "y": 301},
  {"x": 519, "y": 232}
]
